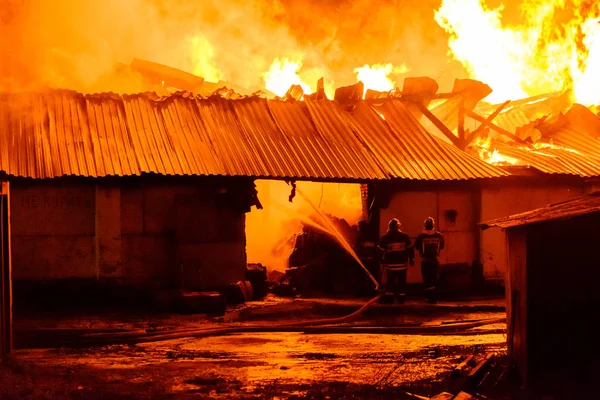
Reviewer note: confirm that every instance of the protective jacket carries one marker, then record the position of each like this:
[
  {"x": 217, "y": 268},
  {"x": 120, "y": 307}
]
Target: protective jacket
[
  {"x": 397, "y": 249},
  {"x": 429, "y": 244}
]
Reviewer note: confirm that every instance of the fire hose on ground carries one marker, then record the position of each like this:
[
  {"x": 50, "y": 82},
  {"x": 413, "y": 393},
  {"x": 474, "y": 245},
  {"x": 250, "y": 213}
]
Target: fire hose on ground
[{"x": 320, "y": 326}]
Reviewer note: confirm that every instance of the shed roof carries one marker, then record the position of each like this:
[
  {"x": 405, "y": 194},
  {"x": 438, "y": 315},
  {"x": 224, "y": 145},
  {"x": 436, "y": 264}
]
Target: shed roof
[
  {"x": 554, "y": 159},
  {"x": 64, "y": 133},
  {"x": 563, "y": 210}
]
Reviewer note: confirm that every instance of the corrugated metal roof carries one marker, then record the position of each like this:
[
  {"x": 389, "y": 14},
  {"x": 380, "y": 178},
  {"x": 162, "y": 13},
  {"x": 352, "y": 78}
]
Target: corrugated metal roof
[
  {"x": 563, "y": 151},
  {"x": 563, "y": 210},
  {"x": 552, "y": 160},
  {"x": 64, "y": 133},
  {"x": 410, "y": 145},
  {"x": 581, "y": 142}
]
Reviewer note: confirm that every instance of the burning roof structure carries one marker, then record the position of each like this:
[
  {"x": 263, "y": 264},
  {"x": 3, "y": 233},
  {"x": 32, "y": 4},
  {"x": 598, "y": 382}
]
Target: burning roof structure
[
  {"x": 555, "y": 140},
  {"x": 64, "y": 133},
  {"x": 548, "y": 133}
]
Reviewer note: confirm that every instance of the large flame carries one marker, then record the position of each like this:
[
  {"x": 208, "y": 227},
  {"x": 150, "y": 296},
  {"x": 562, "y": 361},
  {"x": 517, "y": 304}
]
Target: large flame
[
  {"x": 283, "y": 74},
  {"x": 376, "y": 77},
  {"x": 202, "y": 55},
  {"x": 587, "y": 85},
  {"x": 555, "y": 48}
]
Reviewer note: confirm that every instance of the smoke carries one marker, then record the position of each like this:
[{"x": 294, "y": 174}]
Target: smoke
[
  {"x": 270, "y": 231},
  {"x": 76, "y": 44}
]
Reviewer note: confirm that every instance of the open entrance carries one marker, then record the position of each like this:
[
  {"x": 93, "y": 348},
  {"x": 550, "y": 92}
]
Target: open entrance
[{"x": 309, "y": 233}]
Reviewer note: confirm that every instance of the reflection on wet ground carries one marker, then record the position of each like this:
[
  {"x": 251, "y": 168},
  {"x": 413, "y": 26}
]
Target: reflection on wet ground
[
  {"x": 284, "y": 363},
  {"x": 257, "y": 365}
]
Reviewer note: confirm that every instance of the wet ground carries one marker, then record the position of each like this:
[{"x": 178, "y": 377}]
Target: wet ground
[{"x": 258, "y": 365}]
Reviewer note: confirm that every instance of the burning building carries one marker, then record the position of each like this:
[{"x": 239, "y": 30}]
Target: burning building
[
  {"x": 548, "y": 145},
  {"x": 151, "y": 192}
]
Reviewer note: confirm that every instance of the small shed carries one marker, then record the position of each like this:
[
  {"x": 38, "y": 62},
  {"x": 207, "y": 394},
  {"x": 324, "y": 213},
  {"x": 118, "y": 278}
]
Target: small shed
[{"x": 552, "y": 294}]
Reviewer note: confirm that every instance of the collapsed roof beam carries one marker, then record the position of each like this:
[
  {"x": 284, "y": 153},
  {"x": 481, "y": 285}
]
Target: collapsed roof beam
[
  {"x": 489, "y": 119},
  {"x": 495, "y": 127},
  {"x": 440, "y": 125},
  {"x": 461, "y": 120}
]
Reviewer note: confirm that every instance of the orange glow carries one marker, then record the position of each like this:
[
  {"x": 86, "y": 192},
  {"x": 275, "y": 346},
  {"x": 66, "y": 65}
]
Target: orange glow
[
  {"x": 548, "y": 52},
  {"x": 269, "y": 232},
  {"x": 283, "y": 74},
  {"x": 376, "y": 77}
]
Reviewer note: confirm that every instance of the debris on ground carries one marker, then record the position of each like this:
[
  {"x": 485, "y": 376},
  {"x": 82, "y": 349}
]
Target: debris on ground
[
  {"x": 211, "y": 303},
  {"x": 443, "y": 396},
  {"x": 256, "y": 274}
]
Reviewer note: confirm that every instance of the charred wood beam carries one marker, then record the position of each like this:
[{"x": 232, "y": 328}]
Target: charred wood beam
[
  {"x": 540, "y": 97},
  {"x": 423, "y": 97},
  {"x": 476, "y": 374},
  {"x": 413, "y": 98},
  {"x": 440, "y": 125},
  {"x": 489, "y": 119},
  {"x": 172, "y": 76},
  {"x": 491, "y": 125},
  {"x": 293, "y": 191},
  {"x": 460, "y": 368},
  {"x": 349, "y": 95},
  {"x": 321, "y": 89},
  {"x": 461, "y": 120}
]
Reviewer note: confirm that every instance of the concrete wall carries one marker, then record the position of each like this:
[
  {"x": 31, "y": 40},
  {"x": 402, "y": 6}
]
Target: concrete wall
[
  {"x": 53, "y": 231},
  {"x": 137, "y": 233},
  {"x": 411, "y": 207},
  {"x": 511, "y": 199}
]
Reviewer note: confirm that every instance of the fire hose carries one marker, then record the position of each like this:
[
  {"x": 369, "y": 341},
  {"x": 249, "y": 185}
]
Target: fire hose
[{"x": 321, "y": 326}]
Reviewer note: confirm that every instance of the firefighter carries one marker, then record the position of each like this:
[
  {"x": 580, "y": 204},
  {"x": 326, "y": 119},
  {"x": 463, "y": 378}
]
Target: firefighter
[
  {"x": 397, "y": 253},
  {"x": 429, "y": 244}
]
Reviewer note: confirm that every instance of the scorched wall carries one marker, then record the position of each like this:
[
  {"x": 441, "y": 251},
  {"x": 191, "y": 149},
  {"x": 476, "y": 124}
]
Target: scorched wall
[{"x": 134, "y": 232}]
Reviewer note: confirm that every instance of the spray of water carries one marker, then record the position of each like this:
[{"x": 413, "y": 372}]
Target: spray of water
[{"x": 326, "y": 225}]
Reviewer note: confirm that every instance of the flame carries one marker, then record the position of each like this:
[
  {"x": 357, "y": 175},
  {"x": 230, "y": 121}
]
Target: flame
[
  {"x": 586, "y": 87},
  {"x": 555, "y": 48},
  {"x": 202, "y": 55},
  {"x": 283, "y": 74},
  {"x": 552, "y": 146},
  {"x": 483, "y": 147},
  {"x": 376, "y": 77}
]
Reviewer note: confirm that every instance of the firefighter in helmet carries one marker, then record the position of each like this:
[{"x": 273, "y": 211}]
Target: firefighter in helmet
[
  {"x": 429, "y": 244},
  {"x": 397, "y": 253}
]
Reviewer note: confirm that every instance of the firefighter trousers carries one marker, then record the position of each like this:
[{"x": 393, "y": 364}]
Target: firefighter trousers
[
  {"x": 396, "y": 283},
  {"x": 429, "y": 271}
]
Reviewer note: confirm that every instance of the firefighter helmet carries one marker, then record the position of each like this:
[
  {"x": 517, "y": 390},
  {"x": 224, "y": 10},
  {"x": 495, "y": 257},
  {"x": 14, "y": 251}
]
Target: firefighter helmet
[
  {"x": 429, "y": 223},
  {"x": 394, "y": 224}
]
